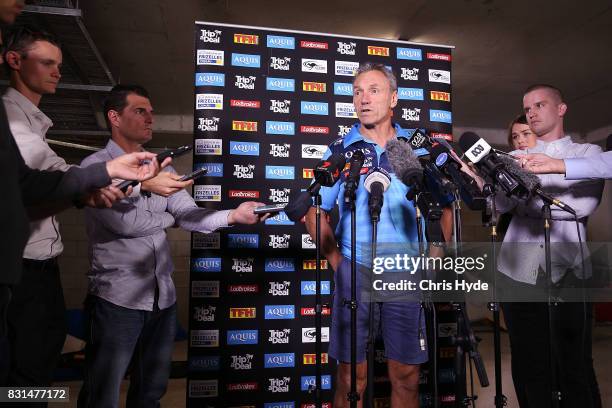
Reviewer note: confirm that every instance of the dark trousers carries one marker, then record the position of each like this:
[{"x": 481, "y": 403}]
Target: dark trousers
[
  {"x": 118, "y": 336},
  {"x": 528, "y": 328}
]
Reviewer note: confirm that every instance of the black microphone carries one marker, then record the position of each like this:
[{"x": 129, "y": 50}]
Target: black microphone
[
  {"x": 468, "y": 188},
  {"x": 327, "y": 173},
  {"x": 479, "y": 152},
  {"x": 405, "y": 164},
  {"x": 354, "y": 172},
  {"x": 532, "y": 184},
  {"x": 377, "y": 181}
]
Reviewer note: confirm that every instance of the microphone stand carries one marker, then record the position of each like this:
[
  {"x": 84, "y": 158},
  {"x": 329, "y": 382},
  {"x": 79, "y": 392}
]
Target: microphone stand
[
  {"x": 556, "y": 392},
  {"x": 353, "y": 395},
  {"x": 371, "y": 338},
  {"x": 318, "y": 307}
]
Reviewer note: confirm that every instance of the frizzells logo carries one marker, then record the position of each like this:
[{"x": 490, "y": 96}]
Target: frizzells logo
[
  {"x": 345, "y": 110},
  {"x": 209, "y": 101},
  {"x": 279, "y": 265},
  {"x": 209, "y": 192},
  {"x": 204, "y": 338},
  {"x": 245, "y": 82},
  {"x": 279, "y": 312},
  {"x": 410, "y": 74},
  {"x": 243, "y": 265},
  {"x": 242, "y": 362},
  {"x": 276, "y": 41},
  {"x": 413, "y": 54},
  {"x": 437, "y": 75},
  {"x": 279, "y": 360},
  {"x": 203, "y": 388},
  {"x": 210, "y": 57},
  {"x": 346, "y": 48},
  {"x": 206, "y": 265},
  {"x": 208, "y": 124},
  {"x": 206, "y": 241},
  {"x": 279, "y": 288},
  {"x": 310, "y": 151},
  {"x": 309, "y": 334},
  {"x": 210, "y": 36},
  {"x": 242, "y": 240},
  {"x": 343, "y": 130},
  {"x": 278, "y": 106},
  {"x": 246, "y": 60},
  {"x": 205, "y": 289},
  {"x": 314, "y": 65},
  {"x": 413, "y": 115},
  {"x": 440, "y": 116},
  {"x": 308, "y": 382},
  {"x": 279, "y": 195},
  {"x": 279, "y": 336},
  {"x": 280, "y": 63},
  {"x": 242, "y": 171},
  {"x": 307, "y": 242},
  {"x": 279, "y": 241},
  {"x": 277, "y": 385},
  {"x": 204, "y": 313},
  {"x": 280, "y": 149},
  {"x": 346, "y": 68},
  {"x": 240, "y": 337},
  {"x": 212, "y": 147}
]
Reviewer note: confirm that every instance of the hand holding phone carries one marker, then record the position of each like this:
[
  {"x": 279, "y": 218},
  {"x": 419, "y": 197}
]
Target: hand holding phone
[{"x": 269, "y": 209}]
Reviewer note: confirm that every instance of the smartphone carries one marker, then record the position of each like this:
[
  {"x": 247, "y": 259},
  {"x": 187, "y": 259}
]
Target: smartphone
[
  {"x": 179, "y": 151},
  {"x": 271, "y": 209},
  {"x": 123, "y": 186},
  {"x": 195, "y": 175}
]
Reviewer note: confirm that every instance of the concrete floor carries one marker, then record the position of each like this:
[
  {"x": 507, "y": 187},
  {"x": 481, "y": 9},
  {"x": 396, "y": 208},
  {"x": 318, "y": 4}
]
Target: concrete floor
[{"x": 602, "y": 340}]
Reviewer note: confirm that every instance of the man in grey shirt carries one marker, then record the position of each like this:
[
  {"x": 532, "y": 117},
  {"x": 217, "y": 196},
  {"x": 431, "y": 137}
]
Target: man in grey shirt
[
  {"x": 131, "y": 307},
  {"x": 522, "y": 263}
]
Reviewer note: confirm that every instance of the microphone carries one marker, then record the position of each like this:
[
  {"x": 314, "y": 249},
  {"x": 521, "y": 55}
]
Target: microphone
[
  {"x": 468, "y": 188},
  {"x": 327, "y": 173},
  {"x": 405, "y": 164},
  {"x": 532, "y": 184},
  {"x": 352, "y": 180},
  {"x": 377, "y": 181}
]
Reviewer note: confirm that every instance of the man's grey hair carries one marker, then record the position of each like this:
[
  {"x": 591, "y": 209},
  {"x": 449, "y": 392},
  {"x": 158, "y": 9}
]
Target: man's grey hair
[{"x": 376, "y": 66}]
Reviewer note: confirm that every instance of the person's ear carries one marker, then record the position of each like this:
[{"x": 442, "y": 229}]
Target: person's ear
[{"x": 13, "y": 59}]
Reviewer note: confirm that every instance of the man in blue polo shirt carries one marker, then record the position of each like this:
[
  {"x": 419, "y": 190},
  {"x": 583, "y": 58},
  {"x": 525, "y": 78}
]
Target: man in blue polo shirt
[{"x": 374, "y": 97}]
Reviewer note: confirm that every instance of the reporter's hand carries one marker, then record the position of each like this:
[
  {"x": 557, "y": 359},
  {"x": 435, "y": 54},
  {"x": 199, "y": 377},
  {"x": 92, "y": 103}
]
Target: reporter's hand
[
  {"x": 135, "y": 166},
  {"x": 469, "y": 170},
  {"x": 105, "y": 197},
  {"x": 243, "y": 214},
  {"x": 165, "y": 184},
  {"x": 542, "y": 164}
]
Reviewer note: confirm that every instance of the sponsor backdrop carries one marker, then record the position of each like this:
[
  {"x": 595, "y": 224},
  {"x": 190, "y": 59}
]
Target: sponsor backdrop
[{"x": 267, "y": 103}]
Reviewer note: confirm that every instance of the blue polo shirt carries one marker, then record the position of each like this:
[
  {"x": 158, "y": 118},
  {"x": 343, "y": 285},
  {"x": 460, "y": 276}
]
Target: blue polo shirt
[{"x": 397, "y": 223}]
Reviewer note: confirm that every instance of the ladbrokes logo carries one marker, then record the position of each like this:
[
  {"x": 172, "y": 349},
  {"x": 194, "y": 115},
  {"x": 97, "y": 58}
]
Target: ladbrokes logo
[
  {"x": 208, "y": 124},
  {"x": 314, "y": 86},
  {"x": 243, "y": 289},
  {"x": 309, "y": 335},
  {"x": 311, "y": 264},
  {"x": 277, "y": 385},
  {"x": 311, "y": 359},
  {"x": 244, "y": 126},
  {"x": 346, "y": 48},
  {"x": 204, "y": 313},
  {"x": 245, "y": 82},
  {"x": 278, "y": 106},
  {"x": 280, "y": 149},
  {"x": 314, "y": 65},
  {"x": 279, "y": 241},
  {"x": 439, "y": 57},
  {"x": 320, "y": 130},
  {"x": 243, "y": 386},
  {"x": 310, "y": 311},
  {"x": 439, "y": 96},
  {"x": 210, "y": 36},
  {"x": 411, "y": 114},
  {"x": 279, "y": 195},
  {"x": 240, "y": 103},
  {"x": 343, "y": 130},
  {"x": 376, "y": 50},
  {"x": 410, "y": 74},
  {"x": 279, "y": 336},
  {"x": 242, "y": 312},
  {"x": 246, "y": 39},
  {"x": 243, "y": 194},
  {"x": 242, "y": 362},
  {"x": 314, "y": 44},
  {"x": 279, "y": 288},
  {"x": 242, "y": 171},
  {"x": 280, "y": 63}
]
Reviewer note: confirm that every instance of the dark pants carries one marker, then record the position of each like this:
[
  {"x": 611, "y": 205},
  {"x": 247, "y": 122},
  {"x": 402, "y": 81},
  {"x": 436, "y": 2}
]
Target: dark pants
[
  {"x": 528, "y": 329},
  {"x": 118, "y": 336},
  {"x": 36, "y": 324}
]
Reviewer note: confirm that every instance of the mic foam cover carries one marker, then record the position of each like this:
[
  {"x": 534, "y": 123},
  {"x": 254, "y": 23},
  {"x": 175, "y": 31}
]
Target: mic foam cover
[{"x": 529, "y": 180}]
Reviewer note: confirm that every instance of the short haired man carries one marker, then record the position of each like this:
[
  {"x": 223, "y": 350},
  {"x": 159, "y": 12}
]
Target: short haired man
[
  {"x": 522, "y": 261},
  {"x": 374, "y": 97},
  {"x": 131, "y": 306}
]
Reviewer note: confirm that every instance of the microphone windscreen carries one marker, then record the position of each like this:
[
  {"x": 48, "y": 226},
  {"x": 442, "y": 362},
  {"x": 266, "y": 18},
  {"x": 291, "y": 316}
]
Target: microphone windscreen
[
  {"x": 527, "y": 179},
  {"x": 298, "y": 205},
  {"x": 467, "y": 140},
  {"x": 404, "y": 162}
]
